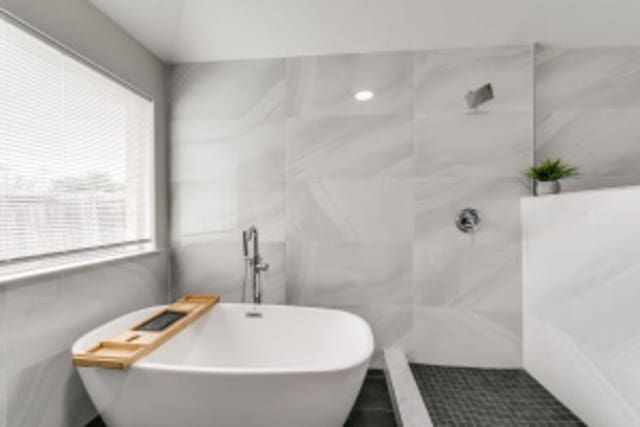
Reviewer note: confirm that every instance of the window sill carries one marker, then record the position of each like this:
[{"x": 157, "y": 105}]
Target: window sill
[{"x": 45, "y": 272}]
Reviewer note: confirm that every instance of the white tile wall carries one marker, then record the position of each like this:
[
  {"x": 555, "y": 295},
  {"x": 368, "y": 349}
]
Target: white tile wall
[
  {"x": 325, "y": 85},
  {"x": 581, "y": 322},
  {"x": 349, "y": 274},
  {"x": 587, "y": 78},
  {"x": 489, "y": 144},
  {"x": 370, "y": 190},
  {"x": 438, "y": 201},
  {"x": 587, "y": 111},
  {"x": 463, "y": 337},
  {"x": 350, "y": 147},
  {"x": 443, "y": 76},
  {"x": 216, "y": 267},
  {"x": 350, "y": 210},
  {"x": 39, "y": 331}
]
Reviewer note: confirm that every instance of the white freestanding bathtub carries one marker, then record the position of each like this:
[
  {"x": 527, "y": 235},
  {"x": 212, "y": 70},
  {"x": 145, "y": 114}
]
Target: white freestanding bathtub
[{"x": 292, "y": 367}]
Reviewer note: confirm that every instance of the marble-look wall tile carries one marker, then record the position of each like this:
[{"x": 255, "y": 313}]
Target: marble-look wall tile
[
  {"x": 60, "y": 397},
  {"x": 228, "y": 172},
  {"x": 587, "y": 109},
  {"x": 439, "y": 200},
  {"x": 350, "y": 147},
  {"x": 350, "y": 210},
  {"x": 391, "y": 326},
  {"x": 257, "y": 151},
  {"x": 493, "y": 144},
  {"x": 249, "y": 92},
  {"x": 472, "y": 275},
  {"x": 45, "y": 316},
  {"x": 604, "y": 143},
  {"x": 228, "y": 150},
  {"x": 443, "y": 78},
  {"x": 587, "y": 78},
  {"x": 221, "y": 209},
  {"x": 467, "y": 287},
  {"x": 349, "y": 273},
  {"x": 585, "y": 313},
  {"x": 461, "y": 337},
  {"x": 359, "y": 184},
  {"x": 326, "y": 85},
  {"x": 217, "y": 267}
]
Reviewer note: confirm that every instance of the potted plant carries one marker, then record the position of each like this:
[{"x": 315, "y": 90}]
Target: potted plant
[{"x": 546, "y": 176}]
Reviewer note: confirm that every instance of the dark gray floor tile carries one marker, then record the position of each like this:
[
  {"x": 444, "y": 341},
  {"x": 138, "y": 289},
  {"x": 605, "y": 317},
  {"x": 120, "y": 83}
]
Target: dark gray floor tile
[
  {"x": 371, "y": 418},
  {"x": 459, "y": 397},
  {"x": 374, "y": 394},
  {"x": 96, "y": 422},
  {"x": 375, "y": 373}
]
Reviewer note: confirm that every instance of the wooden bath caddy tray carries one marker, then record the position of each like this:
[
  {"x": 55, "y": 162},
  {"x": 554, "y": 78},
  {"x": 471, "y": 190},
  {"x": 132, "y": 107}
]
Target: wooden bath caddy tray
[{"x": 122, "y": 350}]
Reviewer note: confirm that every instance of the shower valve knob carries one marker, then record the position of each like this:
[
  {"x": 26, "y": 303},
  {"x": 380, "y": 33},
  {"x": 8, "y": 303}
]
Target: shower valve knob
[{"x": 468, "y": 220}]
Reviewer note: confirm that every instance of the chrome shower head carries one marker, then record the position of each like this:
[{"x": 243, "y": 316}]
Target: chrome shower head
[{"x": 479, "y": 96}]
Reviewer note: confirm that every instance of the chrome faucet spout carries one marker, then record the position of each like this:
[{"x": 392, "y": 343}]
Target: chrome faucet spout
[
  {"x": 254, "y": 263},
  {"x": 245, "y": 242}
]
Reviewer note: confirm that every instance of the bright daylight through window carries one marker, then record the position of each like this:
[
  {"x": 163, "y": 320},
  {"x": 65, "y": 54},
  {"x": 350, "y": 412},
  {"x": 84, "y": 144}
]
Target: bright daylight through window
[{"x": 75, "y": 158}]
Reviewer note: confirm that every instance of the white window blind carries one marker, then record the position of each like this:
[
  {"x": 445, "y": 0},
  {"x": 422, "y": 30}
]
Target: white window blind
[{"x": 75, "y": 157}]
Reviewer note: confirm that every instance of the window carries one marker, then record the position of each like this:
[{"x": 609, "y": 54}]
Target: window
[{"x": 75, "y": 157}]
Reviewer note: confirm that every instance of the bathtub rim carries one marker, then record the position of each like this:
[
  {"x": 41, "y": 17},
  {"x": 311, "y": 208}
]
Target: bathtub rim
[{"x": 363, "y": 357}]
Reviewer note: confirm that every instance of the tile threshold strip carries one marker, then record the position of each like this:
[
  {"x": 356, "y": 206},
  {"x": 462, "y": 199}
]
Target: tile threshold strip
[{"x": 408, "y": 405}]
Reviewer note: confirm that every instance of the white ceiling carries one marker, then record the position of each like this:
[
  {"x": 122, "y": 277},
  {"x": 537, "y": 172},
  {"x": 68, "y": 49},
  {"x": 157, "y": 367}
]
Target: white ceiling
[{"x": 208, "y": 30}]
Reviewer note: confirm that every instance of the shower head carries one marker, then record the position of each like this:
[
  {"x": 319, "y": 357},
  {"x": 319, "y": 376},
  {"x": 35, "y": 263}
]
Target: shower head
[{"x": 479, "y": 96}]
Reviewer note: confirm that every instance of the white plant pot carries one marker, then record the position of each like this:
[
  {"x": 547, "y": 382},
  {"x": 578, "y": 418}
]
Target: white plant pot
[{"x": 542, "y": 188}]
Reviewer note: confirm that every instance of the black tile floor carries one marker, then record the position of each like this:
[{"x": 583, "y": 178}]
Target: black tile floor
[
  {"x": 472, "y": 397},
  {"x": 96, "y": 422},
  {"x": 372, "y": 408},
  {"x": 373, "y": 405}
]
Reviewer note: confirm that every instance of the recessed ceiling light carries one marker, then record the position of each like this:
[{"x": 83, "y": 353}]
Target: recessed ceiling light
[{"x": 363, "y": 95}]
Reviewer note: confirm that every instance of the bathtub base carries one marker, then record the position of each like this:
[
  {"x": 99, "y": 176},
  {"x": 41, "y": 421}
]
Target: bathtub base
[
  {"x": 290, "y": 367},
  {"x": 187, "y": 400}
]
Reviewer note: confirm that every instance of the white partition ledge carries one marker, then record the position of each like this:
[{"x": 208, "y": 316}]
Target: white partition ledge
[
  {"x": 409, "y": 407},
  {"x": 581, "y": 265}
]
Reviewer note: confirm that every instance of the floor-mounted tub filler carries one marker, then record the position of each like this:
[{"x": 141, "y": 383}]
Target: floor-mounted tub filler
[{"x": 238, "y": 365}]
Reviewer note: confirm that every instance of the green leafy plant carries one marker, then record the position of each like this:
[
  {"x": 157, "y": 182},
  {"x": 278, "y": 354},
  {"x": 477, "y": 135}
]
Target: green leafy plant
[{"x": 551, "y": 170}]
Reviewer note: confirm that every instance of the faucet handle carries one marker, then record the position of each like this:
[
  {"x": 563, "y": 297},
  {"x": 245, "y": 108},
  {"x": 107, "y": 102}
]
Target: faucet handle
[
  {"x": 262, "y": 267},
  {"x": 245, "y": 243}
]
